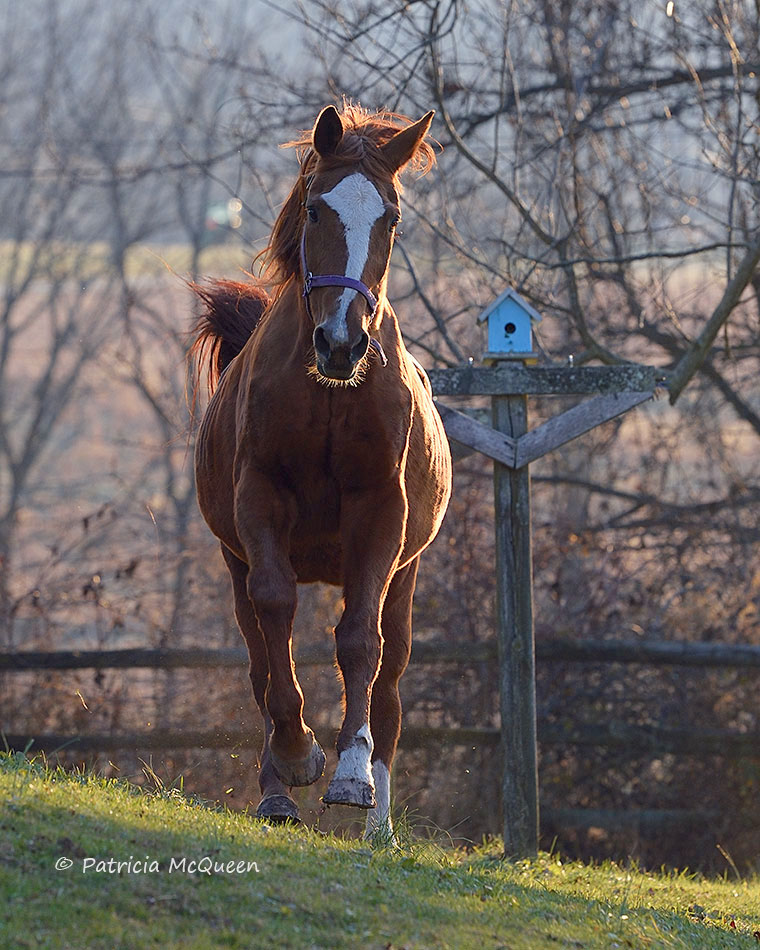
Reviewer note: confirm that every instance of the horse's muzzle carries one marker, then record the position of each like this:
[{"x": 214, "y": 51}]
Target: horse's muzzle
[{"x": 338, "y": 360}]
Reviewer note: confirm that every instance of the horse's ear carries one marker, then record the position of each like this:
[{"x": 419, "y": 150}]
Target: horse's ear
[
  {"x": 401, "y": 148},
  {"x": 328, "y": 131}
]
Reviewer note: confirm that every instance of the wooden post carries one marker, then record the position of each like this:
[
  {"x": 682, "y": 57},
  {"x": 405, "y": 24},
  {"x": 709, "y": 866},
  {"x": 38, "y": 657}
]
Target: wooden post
[
  {"x": 517, "y": 664},
  {"x": 509, "y": 382}
]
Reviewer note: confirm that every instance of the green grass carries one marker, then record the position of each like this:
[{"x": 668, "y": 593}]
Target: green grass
[{"x": 313, "y": 890}]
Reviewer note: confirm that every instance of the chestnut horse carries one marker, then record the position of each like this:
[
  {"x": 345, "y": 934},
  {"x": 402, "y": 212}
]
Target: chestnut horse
[{"x": 321, "y": 456}]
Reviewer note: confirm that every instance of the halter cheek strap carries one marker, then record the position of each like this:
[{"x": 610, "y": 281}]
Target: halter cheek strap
[{"x": 310, "y": 281}]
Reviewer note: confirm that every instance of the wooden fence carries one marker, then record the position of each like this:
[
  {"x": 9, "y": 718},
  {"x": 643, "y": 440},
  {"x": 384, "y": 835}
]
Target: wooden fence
[{"x": 621, "y": 736}]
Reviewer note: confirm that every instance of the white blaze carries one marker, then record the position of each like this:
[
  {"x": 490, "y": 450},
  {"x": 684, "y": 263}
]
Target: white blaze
[{"x": 358, "y": 205}]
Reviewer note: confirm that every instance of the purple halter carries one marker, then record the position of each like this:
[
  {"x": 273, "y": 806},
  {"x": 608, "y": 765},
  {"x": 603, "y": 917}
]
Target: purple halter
[{"x": 310, "y": 281}]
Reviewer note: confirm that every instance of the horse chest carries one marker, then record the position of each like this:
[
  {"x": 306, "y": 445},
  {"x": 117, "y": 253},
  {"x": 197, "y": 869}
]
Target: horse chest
[
  {"x": 337, "y": 442},
  {"x": 324, "y": 468}
]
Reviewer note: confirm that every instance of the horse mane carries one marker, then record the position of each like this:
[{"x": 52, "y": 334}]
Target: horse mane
[{"x": 365, "y": 132}]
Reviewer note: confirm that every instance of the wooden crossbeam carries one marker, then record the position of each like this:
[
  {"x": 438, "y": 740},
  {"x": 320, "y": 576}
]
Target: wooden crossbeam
[
  {"x": 516, "y": 453},
  {"x": 573, "y": 422},
  {"x": 515, "y": 379},
  {"x": 468, "y": 431}
]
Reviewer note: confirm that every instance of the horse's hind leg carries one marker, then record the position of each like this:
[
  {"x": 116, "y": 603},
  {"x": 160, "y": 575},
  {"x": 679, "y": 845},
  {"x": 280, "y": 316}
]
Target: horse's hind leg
[
  {"x": 264, "y": 518},
  {"x": 385, "y": 713},
  {"x": 275, "y": 803}
]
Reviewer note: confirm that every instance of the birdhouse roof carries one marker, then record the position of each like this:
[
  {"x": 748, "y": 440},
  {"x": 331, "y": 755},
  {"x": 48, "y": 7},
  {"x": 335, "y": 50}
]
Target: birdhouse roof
[{"x": 510, "y": 292}]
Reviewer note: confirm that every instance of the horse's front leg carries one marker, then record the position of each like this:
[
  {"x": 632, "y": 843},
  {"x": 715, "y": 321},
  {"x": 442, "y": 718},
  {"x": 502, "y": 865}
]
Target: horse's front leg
[
  {"x": 264, "y": 517},
  {"x": 372, "y": 536}
]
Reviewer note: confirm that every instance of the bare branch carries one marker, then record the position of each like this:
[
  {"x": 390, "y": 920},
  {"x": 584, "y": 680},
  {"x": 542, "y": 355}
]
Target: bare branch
[{"x": 695, "y": 355}]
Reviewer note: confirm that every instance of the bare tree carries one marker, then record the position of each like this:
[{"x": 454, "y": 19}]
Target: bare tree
[{"x": 55, "y": 306}]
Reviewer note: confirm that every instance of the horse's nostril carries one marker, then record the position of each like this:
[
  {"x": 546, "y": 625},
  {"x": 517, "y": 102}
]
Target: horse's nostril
[
  {"x": 359, "y": 349},
  {"x": 329, "y": 352},
  {"x": 321, "y": 344}
]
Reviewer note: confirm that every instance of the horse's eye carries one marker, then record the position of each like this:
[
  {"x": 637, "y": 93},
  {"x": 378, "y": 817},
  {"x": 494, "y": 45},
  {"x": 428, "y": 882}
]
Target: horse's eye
[
  {"x": 312, "y": 213},
  {"x": 394, "y": 222}
]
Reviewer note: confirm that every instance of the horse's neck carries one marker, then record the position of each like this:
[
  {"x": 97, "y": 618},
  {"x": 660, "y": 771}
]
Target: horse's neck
[
  {"x": 389, "y": 332},
  {"x": 290, "y": 314}
]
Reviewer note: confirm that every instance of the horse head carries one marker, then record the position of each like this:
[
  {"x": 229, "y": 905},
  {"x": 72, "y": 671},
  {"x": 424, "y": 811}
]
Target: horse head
[{"x": 351, "y": 210}]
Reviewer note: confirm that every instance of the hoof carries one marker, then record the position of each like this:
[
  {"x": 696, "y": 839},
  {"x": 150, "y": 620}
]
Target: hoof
[
  {"x": 278, "y": 809},
  {"x": 303, "y": 772},
  {"x": 350, "y": 791}
]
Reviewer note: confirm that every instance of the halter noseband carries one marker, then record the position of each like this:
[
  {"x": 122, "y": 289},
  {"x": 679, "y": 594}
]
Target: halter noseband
[{"x": 310, "y": 281}]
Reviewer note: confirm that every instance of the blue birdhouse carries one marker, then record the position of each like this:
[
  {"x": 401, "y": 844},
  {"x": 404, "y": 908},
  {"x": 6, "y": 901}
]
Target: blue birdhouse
[{"x": 510, "y": 328}]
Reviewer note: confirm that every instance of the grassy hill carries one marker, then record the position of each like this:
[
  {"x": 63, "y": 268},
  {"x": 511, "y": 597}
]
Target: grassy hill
[{"x": 141, "y": 869}]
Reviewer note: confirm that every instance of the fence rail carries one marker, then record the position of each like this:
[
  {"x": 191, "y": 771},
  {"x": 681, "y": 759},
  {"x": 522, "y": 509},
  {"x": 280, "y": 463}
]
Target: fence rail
[
  {"x": 645, "y": 652},
  {"x": 626, "y": 739},
  {"x": 629, "y": 740},
  {"x": 623, "y": 737},
  {"x": 412, "y": 737}
]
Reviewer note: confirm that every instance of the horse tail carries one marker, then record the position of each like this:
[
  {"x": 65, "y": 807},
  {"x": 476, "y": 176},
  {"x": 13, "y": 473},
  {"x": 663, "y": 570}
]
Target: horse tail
[{"x": 231, "y": 312}]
